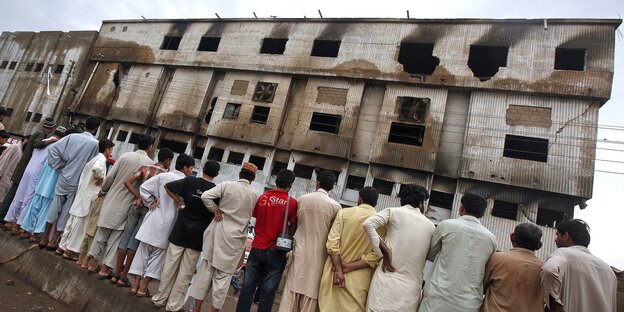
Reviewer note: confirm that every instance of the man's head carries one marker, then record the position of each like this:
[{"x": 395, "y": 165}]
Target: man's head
[
  {"x": 146, "y": 142},
  {"x": 248, "y": 172},
  {"x": 92, "y": 124},
  {"x": 105, "y": 147},
  {"x": 185, "y": 164},
  {"x": 472, "y": 204},
  {"x": 285, "y": 179},
  {"x": 325, "y": 180},
  {"x": 165, "y": 157},
  {"x": 48, "y": 125},
  {"x": 572, "y": 232},
  {"x": 414, "y": 195},
  {"x": 527, "y": 235},
  {"x": 211, "y": 168},
  {"x": 60, "y": 132},
  {"x": 71, "y": 130},
  {"x": 369, "y": 196},
  {"x": 4, "y": 137},
  {"x": 3, "y": 112}
]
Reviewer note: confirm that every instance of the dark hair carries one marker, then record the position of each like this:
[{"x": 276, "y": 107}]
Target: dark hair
[
  {"x": 474, "y": 204},
  {"x": 71, "y": 130},
  {"x": 326, "y": 180},
  {"x": 247, "y": 174},
  {"x": 285, "y": 178},
  {"x": 183, "y": 161},
  {"x": 211, "y": 168},
  {"x": 145, "y": 141},
  {"x": 164, "y": 154},
  {"x": 92, "y": 123},
  {"x": 369, "y": 195},
  {"x": 412, "y": 194},
  {"x": 578, "y": 229},
  {"x": 105, "y": 144},
  {"x": 3, "y": 111},
  {"x": 528, "y": 235}
]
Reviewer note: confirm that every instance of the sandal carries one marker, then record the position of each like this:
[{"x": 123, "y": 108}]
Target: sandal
[
  {"x": 72, "y": 256},
  {"x": 97, "y": 269},
  {"x": 124, "y": 282},
  {"x": 114, "y": 279},
  {"x": 146, "y": 294},
  {"x": 108, "y": 276},
  {"x": 133, "y": 291}
]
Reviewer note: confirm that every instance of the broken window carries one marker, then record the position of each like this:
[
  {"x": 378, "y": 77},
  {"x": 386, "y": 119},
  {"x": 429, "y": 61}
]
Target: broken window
[
  {"x": 215, "y": 154},
  {"x": 235, "y": 158},
  {"x": 122, "y": 136},
  {"x": 198, "y": 152},
  {"x": 4, "y": 64},
  {"x": 38, "y": 67},
  {"x": 442, "y": 200},
  {"x": 278, "y": 166},
  {"x": 303, "y": 171},
  {"x": 209, "y": 44},
  {"x": 412, "y": 108},
  {"x": 549, "y": 218},
  {"x": 355, "y": 182},
  {"x": 59, "y": 69},
  {"x": 325, "y": 122},
  {"x": 383, "y": 187},
  {"x": 231, "y": 111},
  {"x": 417, "y": 58},
  {"x": 29, "y": 66},
  {"x": 37, "y": 117},
  {"x": 526, "y": 148},
  {"x": 260, "y": 114},
  {"x": 273, "y": 46},
  {"x": 28, "y": 115},
  {"x": 208, "y": 116},
  {"x": 484, "y": 61},
  {"x": 406, "y": 134},
  {"x": 258, "y": 161},
  {"x": 570, "y": 59},
  {"x": 175, "y": 146},
  {"x": 12, "y": 65},
  {"x": 9, "y": 112},
  {"x": 505, "y": 210},
  {"x": 171, "y": 43},
  {"x": 325, "y": 48},
  {"x": 265, "y": 91},
  {"x": 134, "y": 138}
]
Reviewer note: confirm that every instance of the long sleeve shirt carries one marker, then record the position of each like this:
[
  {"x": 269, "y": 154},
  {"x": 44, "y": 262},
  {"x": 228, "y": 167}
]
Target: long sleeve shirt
[{"x": 70, "y": 155}]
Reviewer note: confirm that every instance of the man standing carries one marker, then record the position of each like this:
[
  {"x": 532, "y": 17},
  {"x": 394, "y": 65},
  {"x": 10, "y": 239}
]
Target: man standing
[
  {"x": 512, "y": 278},
  {"x": 185, "y": 241},
  {"x": 265, "y": 263},
  {"x": 225, "y": 236},
  {"x": 8, "y": 161},
  {"x": 3, "y": 113},
  {"x": 316, "y": 213},
  {"x": 573, "y": 279},
  {"x": 349, "y": 268},
  {"x": 460, "y": 248},
  {"x": 4, "y": 139}
]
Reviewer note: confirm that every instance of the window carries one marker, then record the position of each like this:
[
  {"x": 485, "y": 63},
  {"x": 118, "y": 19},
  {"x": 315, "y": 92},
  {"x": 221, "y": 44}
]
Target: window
[
  {"x": 334, "y": 96},
  {"x": 134, "y": 138},
  {"x": 210, "y": 110},
  {"x": 235, "y": 158},
  {"x": 29, "y": 66},
  {"x": 215, "y": 154},
  {"x": 231, "y": 111},
  {"x": 484, "y": 61},
  {"x": 171, "y": 43},
  {"x": 273, "y": 46},
  {"x": 570, "y": 59},
  {"x": 413, "y": 109},
  {"x": 28, "y": 115},
  {"x": 260, "y": 114},
  {"x": 265, "y": 91},
  {"x": 442, "y": 200},
  {"x": 12, "y": 65},
  {"x": 209, "y": 44},
  {"x": 198, "y": 152},
  {"x": 549, "y": 218},
  {"x": 59, "y": 69},
  {"x": 175, "y": 146},
  {"x": 528, "y": 148},
  {"x": 258, "y": 161},
  {"x": 4, "y": 64},
  {"x": 36, "y": 117},
  {"x": 505, "y": 210},
  {"x": 417, "y": 58},
  {"x": 303, "y": 171},
  {"x": 355, "y": 183},
  {"x": 406, "y": 134},
  {"x": 383, "y": 187},
  {"x": 325, "y": 48},
  {"x": 239, "y": 87},
  {"x": 278, "y": 166},
  {"x": 325, "y": 122},
  {"x": 122, "y": 136},
  {"x": 9, "y": 111},
  {"x": 38, "y": 67}
]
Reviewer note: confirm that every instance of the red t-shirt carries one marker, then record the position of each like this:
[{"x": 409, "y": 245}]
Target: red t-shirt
[{"x": 269, "y": 214}]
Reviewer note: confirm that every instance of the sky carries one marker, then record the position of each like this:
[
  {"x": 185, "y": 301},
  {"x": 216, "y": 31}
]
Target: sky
[{"x": 603, "y": 213}]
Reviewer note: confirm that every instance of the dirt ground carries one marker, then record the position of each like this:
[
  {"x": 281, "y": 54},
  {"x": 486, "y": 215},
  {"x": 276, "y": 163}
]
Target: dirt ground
[{"x": 17, "y": 296}]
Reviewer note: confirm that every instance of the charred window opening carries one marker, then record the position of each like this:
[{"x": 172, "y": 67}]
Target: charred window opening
[
  {"x": 171, "y": 43},
  {"x": 4, "y": 64},
  {"x": 215, "y": 154},
  {"x": 198, "y": 152},
  {"x": 417, "y": 58},
  {"x": 265, "y": 91},
  {"x": 9, "y": 112},
  {"x": 570, "y": 59},
  {"x": 355, "y": 182},
  {"x": 12, "y": 65},
  {"x": 231, "y": 111},
  {"x": 442, "y": 200},
  {"x": 413, "y": 109},
  {"x": 505, "y": 210},
  {"x": 278, "y": 166},
  {"x": 122, "y": 136},
  {"x": 28, "y": 115},
  {"x": 406, "y": 134},
  {"x": 260, "y": 114},
  {"x": 326, "y": 48},
  {"x": 235, "y": 158},
  {"x": 175, "y": 146},
  {"x": 273, "y": 46},
  {"x": 325, "y": 122},
  {"x": 528, "y": 148},
  {"x": 303, "y": 171},
  {"x": 37, "y": 117},
  {"x": 549, "y": 218},
  {"x": 38, "y": 67},
  {"x": 59, "y": 69},
  {"x": 210, "y": 110},
  {"x": 29, "y": 66},
  {"x": 209, "y": 44},
  {"x": 484, "y": 61},
  {"x": 134, "y": 138},
  {"x": 383, "y": 187},
  {"x": 258, "y": 161}
]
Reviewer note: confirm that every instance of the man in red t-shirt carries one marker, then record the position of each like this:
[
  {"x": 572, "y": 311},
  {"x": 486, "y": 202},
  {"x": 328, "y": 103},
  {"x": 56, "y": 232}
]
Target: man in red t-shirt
[{"x": 265, "y": 264}]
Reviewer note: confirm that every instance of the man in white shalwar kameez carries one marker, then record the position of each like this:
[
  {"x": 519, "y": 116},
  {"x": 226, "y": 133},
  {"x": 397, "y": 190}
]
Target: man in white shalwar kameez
[
  {"x": 225, "y": 237},
  {"x": 153, "y": 234},
  {"x": 89, "y": 186},
  {"x": 8, "y": 162}
]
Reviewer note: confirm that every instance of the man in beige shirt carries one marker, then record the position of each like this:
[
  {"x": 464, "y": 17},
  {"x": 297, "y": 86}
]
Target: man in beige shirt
[
  {"x": 315, "y": 215},
  {"x": 512, "y": 278}
]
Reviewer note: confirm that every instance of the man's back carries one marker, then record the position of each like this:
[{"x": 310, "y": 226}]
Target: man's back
[{"x": 71, "y": 153}]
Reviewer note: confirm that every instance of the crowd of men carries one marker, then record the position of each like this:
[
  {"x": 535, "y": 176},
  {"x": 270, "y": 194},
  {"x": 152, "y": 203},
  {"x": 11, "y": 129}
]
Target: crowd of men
[{"x": 136, "y": 221}]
